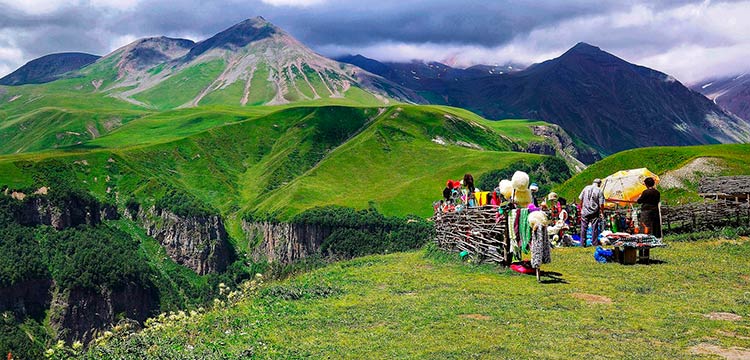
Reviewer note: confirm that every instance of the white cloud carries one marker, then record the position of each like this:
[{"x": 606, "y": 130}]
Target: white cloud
[
  {"x": 115, "y": 4},
  {"x": 121, "y": 41},
  {"x": 294, "y": 3},
  {"x": 10, "y": 55},
  {"x": 453, "y": 55},
  {"x": 41, "y": 7},
  {"x": 692, "y": 64},
  {"x": 34, "y": 7}
]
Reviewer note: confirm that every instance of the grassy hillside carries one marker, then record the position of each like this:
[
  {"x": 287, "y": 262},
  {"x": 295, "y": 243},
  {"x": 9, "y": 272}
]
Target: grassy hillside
[
  {"x": 286, "y": 159},
  {"x": 731, "y": 159},
  {"x": 412, "y": 305},
  {"x": 52, "y": 128},
  {"x": 279, "y": 160},
  {"x": 394, "y": 164}
]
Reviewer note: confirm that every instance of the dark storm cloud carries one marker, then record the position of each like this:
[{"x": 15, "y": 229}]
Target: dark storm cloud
[
  {"x": 361, "y": 23},
  {"x": 530, "y": 28},
  {"x": 334, "y": 22}
]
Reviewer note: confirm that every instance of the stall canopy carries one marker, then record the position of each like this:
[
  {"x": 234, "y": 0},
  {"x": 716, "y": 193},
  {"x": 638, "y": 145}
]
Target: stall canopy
[{"x": 626, "y": 186}]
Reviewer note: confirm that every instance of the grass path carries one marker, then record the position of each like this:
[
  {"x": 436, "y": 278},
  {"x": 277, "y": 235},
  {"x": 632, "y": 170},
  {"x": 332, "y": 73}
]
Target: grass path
[{"x": 410, "y": 305}]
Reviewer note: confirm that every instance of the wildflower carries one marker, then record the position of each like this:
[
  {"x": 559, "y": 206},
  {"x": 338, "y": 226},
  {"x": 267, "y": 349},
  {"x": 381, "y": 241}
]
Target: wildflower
[{"x": 77, "y": 345}]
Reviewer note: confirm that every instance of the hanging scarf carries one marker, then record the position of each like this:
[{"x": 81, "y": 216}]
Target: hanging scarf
[
  {"x": 540, "y": 247},
  {"x": 524, "y": 230}
]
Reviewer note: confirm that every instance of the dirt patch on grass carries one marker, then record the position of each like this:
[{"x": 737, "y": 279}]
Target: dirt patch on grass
[
  {"x": 745, "y": 277},
  {"x": 733, "y": 353},
  {"x": 476, "y": 317},
  {"x": 591, "y": 298},
  {"x": 112, "y": 123},
  {"x": 723, "y": 316},
  {"x": 701, "y": 166},
  {"x": 93, "y": 131},
  {"x": 732, "y": 334}
]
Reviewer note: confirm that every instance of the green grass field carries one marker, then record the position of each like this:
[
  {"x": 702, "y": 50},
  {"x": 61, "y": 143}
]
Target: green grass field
[{"x": 414, "y": 305}]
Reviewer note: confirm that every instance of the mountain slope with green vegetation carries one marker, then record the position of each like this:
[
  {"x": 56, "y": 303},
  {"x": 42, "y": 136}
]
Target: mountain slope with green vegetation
[
  {"x": 287, "y": 159},
  {"x": 679, "y": 168}
]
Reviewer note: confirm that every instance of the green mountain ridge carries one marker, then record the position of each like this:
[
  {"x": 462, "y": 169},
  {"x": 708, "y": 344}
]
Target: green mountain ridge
[{"x": 251, "y": 63}]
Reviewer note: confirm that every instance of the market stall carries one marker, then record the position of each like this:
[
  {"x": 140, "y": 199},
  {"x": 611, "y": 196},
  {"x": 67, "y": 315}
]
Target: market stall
[{"x": 631, "y": 240}]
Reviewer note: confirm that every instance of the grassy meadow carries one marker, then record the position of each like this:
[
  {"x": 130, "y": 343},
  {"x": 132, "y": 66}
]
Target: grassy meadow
[{"x": 694, "y": 300}]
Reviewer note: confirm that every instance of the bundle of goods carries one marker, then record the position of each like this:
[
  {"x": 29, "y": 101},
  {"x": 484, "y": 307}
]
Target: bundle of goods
[{"x": 634, "y": 240}]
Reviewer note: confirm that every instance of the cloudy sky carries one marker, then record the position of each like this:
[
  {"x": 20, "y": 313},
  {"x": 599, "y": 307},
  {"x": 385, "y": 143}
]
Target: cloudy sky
[{"x": 690, "y": 40}]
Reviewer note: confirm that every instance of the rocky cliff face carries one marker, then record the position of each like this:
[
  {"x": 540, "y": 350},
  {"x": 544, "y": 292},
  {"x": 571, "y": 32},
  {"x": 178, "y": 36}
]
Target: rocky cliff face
[
  {"x": 71, "y": 212},
  {"x": 284, "y": 242},
  {"x": 197, "y": 242},
  {"x": 80, "y": 313},
  {"x": 562, "y": 144},
  {"x": 28, "y": 298}
]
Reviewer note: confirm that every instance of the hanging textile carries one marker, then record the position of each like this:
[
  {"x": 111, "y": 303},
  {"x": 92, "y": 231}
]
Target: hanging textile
[
  {"x": 495, "y": 200},
  {"x": 515, "y": 240},
  {"x": 540, "y": 247},
  {"x": 524, "y": 230},
  {"x": 481, "y": 198}
]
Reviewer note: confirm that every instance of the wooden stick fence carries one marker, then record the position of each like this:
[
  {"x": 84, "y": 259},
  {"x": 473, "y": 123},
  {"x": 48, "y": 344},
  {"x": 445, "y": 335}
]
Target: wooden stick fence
[
  {"x": 480, "y": 231},
  {"x": 705, "y": 216}
]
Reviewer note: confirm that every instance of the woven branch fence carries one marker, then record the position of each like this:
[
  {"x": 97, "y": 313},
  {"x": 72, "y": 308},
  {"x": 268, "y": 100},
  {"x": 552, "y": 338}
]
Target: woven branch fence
[
  {"x": 476, "y": 230},
  {"x": 705, "y": 216}
]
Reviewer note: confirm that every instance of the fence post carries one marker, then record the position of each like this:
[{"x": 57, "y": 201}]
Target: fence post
[{"x": 692, "y": 214}]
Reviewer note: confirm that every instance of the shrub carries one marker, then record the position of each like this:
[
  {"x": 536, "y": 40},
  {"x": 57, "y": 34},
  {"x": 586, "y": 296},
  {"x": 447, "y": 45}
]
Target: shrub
[
  {"x": 364, "y": 232},
  {"x": 183, "y": 204},
  {"x": 21, "y": 340},
  {"x": 90, "y": 257},
  {"x": 21, "y": 258}
]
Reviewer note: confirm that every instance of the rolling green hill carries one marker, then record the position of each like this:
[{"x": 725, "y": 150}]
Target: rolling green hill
[
  {"x": 285, "y": 159},
  {"x": 679, "y": 168}
]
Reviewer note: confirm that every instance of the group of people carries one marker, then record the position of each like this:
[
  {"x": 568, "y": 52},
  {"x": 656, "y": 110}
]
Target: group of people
[
  {"x": 592, "y": 210},
  {"x": 463, "y": 193}
]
